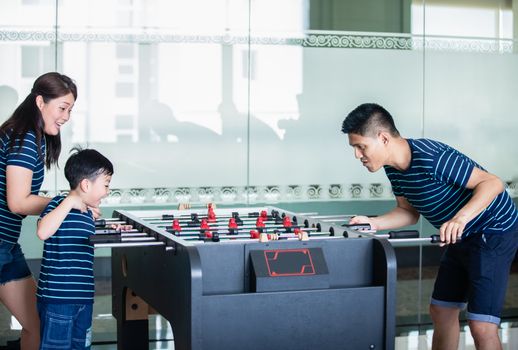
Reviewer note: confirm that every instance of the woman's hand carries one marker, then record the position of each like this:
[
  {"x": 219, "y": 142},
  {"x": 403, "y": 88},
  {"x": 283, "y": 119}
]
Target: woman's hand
[{"x": 96, "y": 212}]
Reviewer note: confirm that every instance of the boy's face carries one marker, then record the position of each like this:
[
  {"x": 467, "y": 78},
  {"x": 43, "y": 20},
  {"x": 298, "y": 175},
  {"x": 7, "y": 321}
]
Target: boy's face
[{"x": 98, "y": 189}]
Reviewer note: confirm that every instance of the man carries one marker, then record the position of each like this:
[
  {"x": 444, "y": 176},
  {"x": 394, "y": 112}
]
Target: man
[{"x": 475, "y": 216}]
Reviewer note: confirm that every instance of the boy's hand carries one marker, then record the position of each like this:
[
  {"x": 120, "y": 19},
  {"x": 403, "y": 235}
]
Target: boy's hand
[
  {"x": 120, "y": 227},
  {"x": 184, "y": 206}
]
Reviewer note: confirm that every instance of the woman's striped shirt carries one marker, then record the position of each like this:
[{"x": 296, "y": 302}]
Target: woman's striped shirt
[
  {"x": 66, "y": 274},
  {"x": 435, "y": 185},
  {"x": 27, "y": 157}
]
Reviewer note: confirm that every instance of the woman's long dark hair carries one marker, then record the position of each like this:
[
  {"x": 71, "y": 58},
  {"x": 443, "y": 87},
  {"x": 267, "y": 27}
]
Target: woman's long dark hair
[{"x": 27, "y": 116}]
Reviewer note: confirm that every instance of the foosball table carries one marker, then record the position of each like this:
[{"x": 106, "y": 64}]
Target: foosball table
[{"x": 250, "y": 278}]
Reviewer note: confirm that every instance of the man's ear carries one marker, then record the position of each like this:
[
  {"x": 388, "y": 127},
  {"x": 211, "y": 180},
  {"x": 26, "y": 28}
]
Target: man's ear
[
  {"x": 84, "y": 185},
  {"x": 384, "y": 137}
]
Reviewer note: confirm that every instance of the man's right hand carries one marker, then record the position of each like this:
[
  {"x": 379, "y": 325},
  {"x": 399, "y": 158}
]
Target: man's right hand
[{"x": 361, "y": 219}]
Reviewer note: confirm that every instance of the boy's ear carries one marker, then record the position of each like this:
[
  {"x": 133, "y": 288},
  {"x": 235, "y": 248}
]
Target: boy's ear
[{"x": 84, "y": 185}]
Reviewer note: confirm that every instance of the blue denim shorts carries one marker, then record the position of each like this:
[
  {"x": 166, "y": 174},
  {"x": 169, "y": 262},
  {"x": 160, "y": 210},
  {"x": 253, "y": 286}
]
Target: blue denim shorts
[
  {"x": 475, "y": 272},
  {"x": 65, "y": 326},
  {"x": 12, "y": 263}
]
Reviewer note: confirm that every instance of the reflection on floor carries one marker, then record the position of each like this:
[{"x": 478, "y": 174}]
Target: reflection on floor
[
  {"x": 104, "y": 326},
  {"x": 422, "y": 340},
  {"x": 410, "y": 340}
]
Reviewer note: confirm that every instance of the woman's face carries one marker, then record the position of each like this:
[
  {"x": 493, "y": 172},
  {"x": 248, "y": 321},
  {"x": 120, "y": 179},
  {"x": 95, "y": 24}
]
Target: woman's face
[{"x": 55, "y": 112}]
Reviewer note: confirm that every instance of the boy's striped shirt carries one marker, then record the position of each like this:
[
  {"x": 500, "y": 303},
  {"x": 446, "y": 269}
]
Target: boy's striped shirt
[{"x": 66, "y": 274}]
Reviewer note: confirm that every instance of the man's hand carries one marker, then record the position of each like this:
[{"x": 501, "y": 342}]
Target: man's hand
[
  {"x": 360, "y": 219},
  {"x": 452, "y": 230}
]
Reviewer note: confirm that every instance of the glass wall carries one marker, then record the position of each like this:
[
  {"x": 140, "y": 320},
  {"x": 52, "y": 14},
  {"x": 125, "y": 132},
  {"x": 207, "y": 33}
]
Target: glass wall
[{"x": 241, "y": 101}]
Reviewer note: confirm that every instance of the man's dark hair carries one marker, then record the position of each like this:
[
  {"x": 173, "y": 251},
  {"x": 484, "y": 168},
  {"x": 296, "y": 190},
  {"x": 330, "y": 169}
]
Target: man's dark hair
[
  {"x": 86, "y": 164},
  {"x": 368, "y": 118}
]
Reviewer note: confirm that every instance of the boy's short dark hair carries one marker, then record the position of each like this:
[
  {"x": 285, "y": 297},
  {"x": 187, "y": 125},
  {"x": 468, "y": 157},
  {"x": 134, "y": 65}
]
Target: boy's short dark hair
[
  {"x": 86, "y": 164},
  {"x": 368, "y": 118}
]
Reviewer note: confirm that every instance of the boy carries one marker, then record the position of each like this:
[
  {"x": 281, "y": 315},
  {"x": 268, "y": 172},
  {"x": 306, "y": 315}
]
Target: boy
[{"x": 66, "y": 283}]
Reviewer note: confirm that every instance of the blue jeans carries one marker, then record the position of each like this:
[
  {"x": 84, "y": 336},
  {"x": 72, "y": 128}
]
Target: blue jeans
[
  {"x": 12, "y": 263},
  {"x": 65, "y": 326}
]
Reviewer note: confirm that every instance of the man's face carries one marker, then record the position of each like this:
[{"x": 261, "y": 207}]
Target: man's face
[{"x": 371, "y": 151}]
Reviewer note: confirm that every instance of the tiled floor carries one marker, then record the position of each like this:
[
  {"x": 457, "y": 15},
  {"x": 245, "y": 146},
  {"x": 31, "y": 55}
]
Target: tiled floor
[
  {"x": 422, "y": 340},
  {"x": 409, "y": 338},
  {"x": 162, "y": 337}
]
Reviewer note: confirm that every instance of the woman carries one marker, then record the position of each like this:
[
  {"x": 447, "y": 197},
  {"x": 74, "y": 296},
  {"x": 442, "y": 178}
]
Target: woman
[{"x": 29, "y": 141}]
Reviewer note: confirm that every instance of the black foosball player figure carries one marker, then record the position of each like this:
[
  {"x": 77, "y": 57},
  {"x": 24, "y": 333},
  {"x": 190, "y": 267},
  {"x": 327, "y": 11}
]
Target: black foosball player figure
[
  {"x": 236, "y": 217},
  {"x": 461, "y": 199}
]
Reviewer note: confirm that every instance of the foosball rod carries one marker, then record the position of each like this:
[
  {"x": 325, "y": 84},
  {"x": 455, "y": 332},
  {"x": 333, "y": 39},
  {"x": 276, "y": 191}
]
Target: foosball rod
[
  {"x": 109, "y": 221},
  {"x": 332, "y": 217},
  {"x": 189, "y": 217},
  {"x": 182, "y": 234},
  {"x": 127, "y": 244},
  {"x": 432, "y": 239},
  {"x": 118, "y": 239},
  {"x": 404, "y": 236},
  {"x": 203, "y": 215},
  {"x": 112, "y": 230},
  {"x": 217, "y": 220},
  {"x": 242, "y": 227},
  {"x": 241, "y": 237}
]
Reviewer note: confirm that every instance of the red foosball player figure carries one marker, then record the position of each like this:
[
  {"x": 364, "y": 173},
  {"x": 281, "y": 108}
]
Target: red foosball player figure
[
  {"x": 259, "y": 224},
  {"x": 176, "y": 226},
  {"x": 286, "y": 223},
  {"x": 254, "y": 234},
  {"x": 264, "y": 215},
  {"x": 211, "y": 216},
  {"x": 232, "y": 226},
  {"x": 209, "y": 236},
  {"x": 204, "y": 225}
]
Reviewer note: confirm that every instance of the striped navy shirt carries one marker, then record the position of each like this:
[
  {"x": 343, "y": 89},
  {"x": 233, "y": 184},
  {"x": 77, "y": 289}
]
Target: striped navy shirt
[
  {"x": 27, "y": 157},
  {"x": 66, "y": 275},
  {"x": 435, "y": 185}
]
